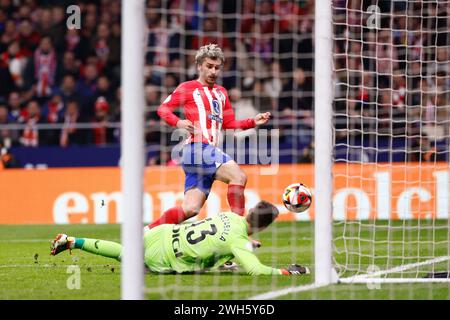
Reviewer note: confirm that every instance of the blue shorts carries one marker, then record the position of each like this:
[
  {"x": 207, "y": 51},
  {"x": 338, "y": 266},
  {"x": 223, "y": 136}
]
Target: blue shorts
[{"x": 200, "y": 162}]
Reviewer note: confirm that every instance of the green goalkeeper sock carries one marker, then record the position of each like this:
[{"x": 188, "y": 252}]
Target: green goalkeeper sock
[{"x": 103, "y": 248}]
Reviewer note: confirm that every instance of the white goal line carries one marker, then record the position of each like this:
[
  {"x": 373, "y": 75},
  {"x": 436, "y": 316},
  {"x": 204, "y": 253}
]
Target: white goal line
[
  {"x": 393, "y": 280},
  {"x": 371, "y": 277},
  {"x": 282, "y": 292},
  {"x": 363, "y": 279}
]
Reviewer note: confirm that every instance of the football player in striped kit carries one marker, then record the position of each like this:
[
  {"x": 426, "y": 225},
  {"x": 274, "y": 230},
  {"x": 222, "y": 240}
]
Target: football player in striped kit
[{"x": 207, "y": 110}]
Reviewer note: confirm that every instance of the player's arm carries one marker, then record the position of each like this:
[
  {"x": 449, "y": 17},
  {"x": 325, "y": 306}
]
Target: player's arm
[
  {"x": 167, "y": 108},
  {"x": 241, "y": 250},
  {"x": 230, "y": 122}
]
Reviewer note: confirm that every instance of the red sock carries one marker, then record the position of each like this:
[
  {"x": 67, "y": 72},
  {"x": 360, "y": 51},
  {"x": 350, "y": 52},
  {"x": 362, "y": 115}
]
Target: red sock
[
  {"x": 236, "y": 198},
  {"x": 172, "y": 216}
]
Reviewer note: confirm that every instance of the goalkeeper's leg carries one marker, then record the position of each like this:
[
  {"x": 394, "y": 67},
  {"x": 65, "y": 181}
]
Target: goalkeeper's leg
[{"x": 103, "y": 248}]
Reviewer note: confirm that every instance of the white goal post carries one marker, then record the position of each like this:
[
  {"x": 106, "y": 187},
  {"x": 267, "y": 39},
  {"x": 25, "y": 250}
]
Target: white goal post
[
  {"x": 323, "y": 182},
  {"x": 132, "y": 148}
]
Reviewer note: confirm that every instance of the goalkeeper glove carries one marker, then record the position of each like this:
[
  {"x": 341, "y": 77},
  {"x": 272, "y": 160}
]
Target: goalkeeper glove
[{"x": 295, "y": 269}]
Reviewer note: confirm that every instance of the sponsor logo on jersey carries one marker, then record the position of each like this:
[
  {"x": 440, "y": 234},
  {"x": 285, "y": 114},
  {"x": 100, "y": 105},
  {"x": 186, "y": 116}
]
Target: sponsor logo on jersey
[{"x": 215, "y": 118}]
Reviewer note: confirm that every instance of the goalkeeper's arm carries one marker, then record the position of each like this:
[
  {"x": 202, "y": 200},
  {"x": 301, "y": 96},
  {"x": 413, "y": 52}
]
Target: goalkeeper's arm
[{"x": 253, "y": 266}]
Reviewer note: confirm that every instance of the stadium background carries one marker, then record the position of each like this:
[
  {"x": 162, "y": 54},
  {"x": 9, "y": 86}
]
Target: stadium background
[
  {"x": 60, "y": 93},
  {"x": 268, "y": 68},
  {"x": 60, "y": 169}
]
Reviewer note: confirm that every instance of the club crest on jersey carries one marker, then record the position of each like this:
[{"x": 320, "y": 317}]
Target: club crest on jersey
[{"x": 221, "y": 96}]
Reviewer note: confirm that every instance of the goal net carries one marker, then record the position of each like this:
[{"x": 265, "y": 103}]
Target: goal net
[
  {"x": 391, "y": 135},
  {"x": 390, "y": 116},
  {"x": 268, "y": 50}
]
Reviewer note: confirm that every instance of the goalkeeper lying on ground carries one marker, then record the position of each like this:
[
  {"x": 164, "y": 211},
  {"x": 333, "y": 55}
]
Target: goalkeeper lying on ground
[{"x": 194, "y": 247}]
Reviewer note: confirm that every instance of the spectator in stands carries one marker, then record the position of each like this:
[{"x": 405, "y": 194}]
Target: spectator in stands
[
  {"x": 296, "y": 98},
  {"x": 386, "y": 57},
  {"x": 263, "y": 101},
  {"x": 243, "y": 109},
  {"x": 441, "y": 64},
  {"x": 3, "y": 19},
  {"x": 9, "y": 137},
  {"x": 28, "y": 37},
  {"x": 87, "y": 87},
  {"x": 16, "y": 60},
  {"x": 70, "y": 134},
  {"x": 103, "y": 45},
  {"x": 399, "y": 89},
  {"x": 422, "y": 149},
  {"x": 77, "y": 43},
  {"x": 163, "y": 43},
  {"x": 89, "y": 22},
  {"x": 191, "y": 70},
  {"x": 10, "y": 32},
  {"x": 104, "y": 89},
  {"x": 247, "y": 20},
  {"x": 153, "y": 132},
  {"x": 102, "y": 134},
  {"x": 273, "y": 84},
  {"x": 229, "y": 74},
  {"x": 287, "y": 13},
  {"x": 307, "y": 155},
  {"x": 114, "y": 55},
  {"x": 31, "y": 136},
  {"x": 15, "y": 105},
  {"x": 210, "y": 34},
  {"x": 6, "y": 80},
  {"x": 68, "y": 65},
  {"x": 44, "y": 22},
  {"x": 58, "y": 28},
  {"x": 384, "y": 112},
  {"x": 260, "y": 48},
  {"x": 265, "y": 22},
  {"x": 53, "y": 113},
  {"x": 42, "y": 68},
  {"x": 68, "y": 89},
  {"x": 190, "y": 13}
]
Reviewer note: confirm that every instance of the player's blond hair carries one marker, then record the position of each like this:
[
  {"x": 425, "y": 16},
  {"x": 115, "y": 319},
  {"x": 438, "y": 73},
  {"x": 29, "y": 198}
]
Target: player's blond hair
[{"x": 211, "y": 51}]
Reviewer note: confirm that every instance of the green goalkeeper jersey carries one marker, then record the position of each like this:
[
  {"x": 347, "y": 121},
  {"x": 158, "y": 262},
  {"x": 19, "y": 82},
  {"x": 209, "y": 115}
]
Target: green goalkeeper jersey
[{"x": 206, "y": 244}]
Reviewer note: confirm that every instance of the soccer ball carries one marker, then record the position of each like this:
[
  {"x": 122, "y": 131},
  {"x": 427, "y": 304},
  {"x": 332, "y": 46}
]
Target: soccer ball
[{"x": 297, "y": 197}]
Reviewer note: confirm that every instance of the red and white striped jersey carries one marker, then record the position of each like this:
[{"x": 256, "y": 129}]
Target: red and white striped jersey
[{"x": 208, "y": 109}]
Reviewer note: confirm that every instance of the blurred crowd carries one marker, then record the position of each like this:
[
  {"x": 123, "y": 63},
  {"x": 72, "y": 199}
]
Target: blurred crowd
[
  {"x": 393, "y": 75},
  {"x": 391, "y": 80},
  {"x": 268, "y": 49},
  {"x": 54, "y": 75},
  {"x": 51, "y": 74}
]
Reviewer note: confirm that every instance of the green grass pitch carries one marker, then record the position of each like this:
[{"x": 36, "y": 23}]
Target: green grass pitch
[{"x": 27, "y": 271}]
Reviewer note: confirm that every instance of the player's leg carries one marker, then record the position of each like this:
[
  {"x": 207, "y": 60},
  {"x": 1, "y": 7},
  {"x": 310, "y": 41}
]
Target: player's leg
[
  {"x": 173, "y": 215},
  {"x": 103, "y": 248},
  {"x": 235, "y": 177},
  {"x": 191, "y": 206},
  {"x": 193, "y": 202},
  {"x": 198, "y": 182}
]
